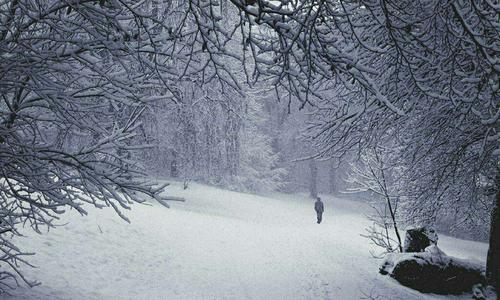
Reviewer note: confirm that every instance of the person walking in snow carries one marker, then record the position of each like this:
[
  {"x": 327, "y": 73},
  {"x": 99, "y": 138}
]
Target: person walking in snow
[{"x": 319, "y": 208}]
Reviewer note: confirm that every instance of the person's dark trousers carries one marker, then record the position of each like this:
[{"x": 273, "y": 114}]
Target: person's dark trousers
[{"x": 320, "y": 217}]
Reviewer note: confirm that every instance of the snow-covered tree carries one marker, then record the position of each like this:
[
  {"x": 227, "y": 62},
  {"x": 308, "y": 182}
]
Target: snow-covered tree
[
  {"x": 216, "y": 137},
  {"x": 376, "y": 175},
  {"x": 259, "y": 169},
  {"x": 426, "y": 68},
  {"x": 75, "y": 79}
]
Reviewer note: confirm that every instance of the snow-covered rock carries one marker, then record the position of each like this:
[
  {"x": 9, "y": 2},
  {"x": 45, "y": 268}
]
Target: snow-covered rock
[
  {"x": 417, "y": 239},
  {"x": 433, "y": 271}
]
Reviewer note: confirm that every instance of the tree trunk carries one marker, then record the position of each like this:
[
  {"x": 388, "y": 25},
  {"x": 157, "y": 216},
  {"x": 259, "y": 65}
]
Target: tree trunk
[
  {"x": 332, "y": 179},
  {"x": 493, "y": 259},
  {"x": 394, "y": 223},
  {"x": 174, "y": 171},
  {"x": 313, "y": 184}
]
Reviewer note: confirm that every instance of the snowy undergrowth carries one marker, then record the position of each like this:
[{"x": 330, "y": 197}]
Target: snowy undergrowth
[{"x": 217, "y": 245}]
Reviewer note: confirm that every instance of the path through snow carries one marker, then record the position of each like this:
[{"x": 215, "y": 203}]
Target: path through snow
[{"x": 216, "y": 245}]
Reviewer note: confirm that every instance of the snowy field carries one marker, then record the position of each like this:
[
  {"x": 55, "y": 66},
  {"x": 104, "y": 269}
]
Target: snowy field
[{"x": 217, "y": 245}]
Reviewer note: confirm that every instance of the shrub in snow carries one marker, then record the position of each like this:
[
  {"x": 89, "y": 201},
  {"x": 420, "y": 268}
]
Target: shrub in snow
[
  {"x": 376, "y": 174},
  {"x": 418, "y": 239},
  {"x": 433, "y": 271}
]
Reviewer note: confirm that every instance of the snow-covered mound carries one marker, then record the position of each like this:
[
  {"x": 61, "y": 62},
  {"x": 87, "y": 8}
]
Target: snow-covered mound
[
  {"x": 217, "y": 245},
  {"x": 434, "y": 271}
]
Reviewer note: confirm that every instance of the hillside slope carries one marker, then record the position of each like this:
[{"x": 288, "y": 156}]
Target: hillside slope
[{"x": 217, "y": 245}]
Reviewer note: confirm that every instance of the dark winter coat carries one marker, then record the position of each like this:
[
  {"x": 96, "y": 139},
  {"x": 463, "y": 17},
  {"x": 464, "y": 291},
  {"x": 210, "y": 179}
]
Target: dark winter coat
[{"x": 318, "y": 207}]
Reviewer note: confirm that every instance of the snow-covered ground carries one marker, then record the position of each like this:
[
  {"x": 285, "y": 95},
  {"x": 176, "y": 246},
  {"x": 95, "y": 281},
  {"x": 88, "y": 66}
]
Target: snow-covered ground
[{"x": 217, "y": 245}]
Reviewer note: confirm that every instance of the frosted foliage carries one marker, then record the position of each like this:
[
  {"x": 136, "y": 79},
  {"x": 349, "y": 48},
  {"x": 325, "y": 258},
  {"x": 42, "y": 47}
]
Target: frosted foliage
[
  {"x": 422, "y": 75},
  {"x": 73, "y": 80},
  {"x": 377, "y": 174},
  {"x": 259, "y": 168}
]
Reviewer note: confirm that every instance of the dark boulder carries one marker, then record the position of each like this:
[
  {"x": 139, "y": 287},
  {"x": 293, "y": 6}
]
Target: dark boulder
[
  {"x": 431, "y": 278},
  {"x": 433, "y": 272}
]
